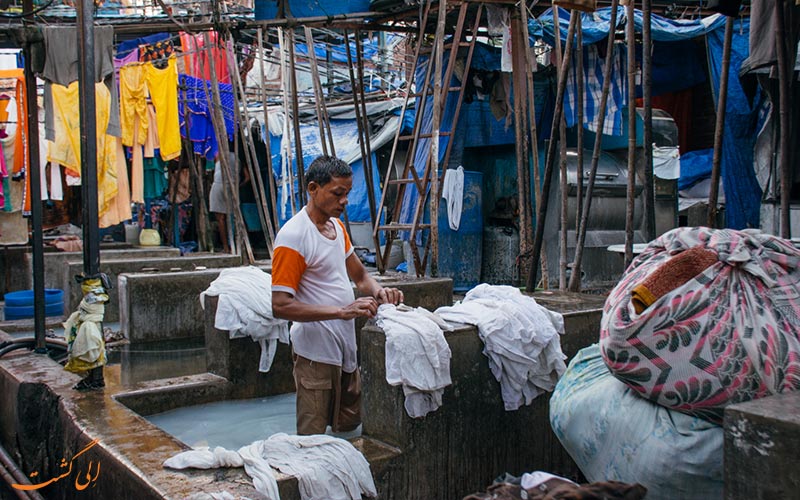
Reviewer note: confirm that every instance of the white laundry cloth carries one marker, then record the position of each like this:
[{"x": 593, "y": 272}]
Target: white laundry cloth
[
  {"x": 245, "y": 309},
  {"x": 326, "y": 467},
  {"x": 531, "y": 480},
  {"x": 521, "y": 340},
  {"x": 453, "y": 192},
  {"x": 666, "y": 162},
  {"x": 417, "y": 356}
]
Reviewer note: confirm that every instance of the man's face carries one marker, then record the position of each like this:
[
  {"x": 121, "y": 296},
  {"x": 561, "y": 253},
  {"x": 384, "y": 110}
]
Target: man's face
[{"x": 331, "y": 199}]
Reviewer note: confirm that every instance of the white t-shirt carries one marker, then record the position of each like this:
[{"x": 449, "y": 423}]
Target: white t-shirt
[{"x": 312, "y": 268}]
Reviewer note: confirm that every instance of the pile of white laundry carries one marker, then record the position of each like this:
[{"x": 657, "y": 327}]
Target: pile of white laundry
[
  {"x": 417, "y": 356},
  {"x": 521, "y": 340},
  {"x": 326, "y": 467},
  {"x": 245, "y": 309}
]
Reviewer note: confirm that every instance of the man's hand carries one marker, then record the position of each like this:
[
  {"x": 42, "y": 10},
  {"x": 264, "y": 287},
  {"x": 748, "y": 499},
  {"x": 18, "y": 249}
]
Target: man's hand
[
  {"x": 389, "y": 296},
  {"x": 362, "y": 307}
]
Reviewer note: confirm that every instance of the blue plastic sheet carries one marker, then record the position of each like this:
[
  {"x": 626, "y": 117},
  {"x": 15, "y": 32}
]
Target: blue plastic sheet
[
  {"x": 742, "y": 190},
  {"x": 695, "y": 166}
]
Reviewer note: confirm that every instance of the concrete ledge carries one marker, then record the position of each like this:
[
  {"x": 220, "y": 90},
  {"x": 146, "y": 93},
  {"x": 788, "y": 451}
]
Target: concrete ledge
[
  {"x": 164, "y": 305},
  {"x": 761, "y": 451},
  {"x": 114, "y": 268}
]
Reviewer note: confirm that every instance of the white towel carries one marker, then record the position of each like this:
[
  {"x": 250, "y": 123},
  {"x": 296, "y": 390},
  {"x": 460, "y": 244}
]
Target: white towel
[
  {"x": 521, "y": 340},
  {"x": 417, "y": 356},
  {"x": 245, "y": 309},
  {"x": 453, "y": 192}
]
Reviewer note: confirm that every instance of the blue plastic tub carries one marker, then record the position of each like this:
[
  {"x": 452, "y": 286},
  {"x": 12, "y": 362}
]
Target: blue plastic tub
[
  {"x": 25, "y": 297},
  {"x": 23, "y": 312}
]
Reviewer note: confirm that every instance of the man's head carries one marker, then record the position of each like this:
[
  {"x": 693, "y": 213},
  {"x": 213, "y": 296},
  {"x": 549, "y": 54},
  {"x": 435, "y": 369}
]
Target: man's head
[{"x": 328, "y": 181}]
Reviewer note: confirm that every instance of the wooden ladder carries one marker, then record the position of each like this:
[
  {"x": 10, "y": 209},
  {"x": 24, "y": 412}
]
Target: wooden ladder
[{"x": 410, "y": 177}]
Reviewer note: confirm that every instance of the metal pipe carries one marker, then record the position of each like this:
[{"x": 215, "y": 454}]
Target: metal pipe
[
  {"x": 575, "y": 278},
  {"x": 88, "y": 125},
  {"x": 34, "y": 170},
  {"x": 548, "y": 168},
  {"x": 719, "y": 128},
  {"x": 11, "y": 470}
]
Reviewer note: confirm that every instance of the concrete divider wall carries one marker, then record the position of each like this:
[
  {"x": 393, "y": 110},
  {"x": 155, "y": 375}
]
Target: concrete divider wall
[{"x": 116, "y": 267}]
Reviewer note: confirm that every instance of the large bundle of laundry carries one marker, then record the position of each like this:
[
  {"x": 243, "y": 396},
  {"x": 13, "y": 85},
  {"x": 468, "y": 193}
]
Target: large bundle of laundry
[{"x": 705, "y": 318}]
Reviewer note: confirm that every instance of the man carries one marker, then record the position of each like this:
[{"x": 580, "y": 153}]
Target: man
[{"x": 312, "y": 267}]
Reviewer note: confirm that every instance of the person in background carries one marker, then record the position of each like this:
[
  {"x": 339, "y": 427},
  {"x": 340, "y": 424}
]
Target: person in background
[{"x": 312, "y": 266}]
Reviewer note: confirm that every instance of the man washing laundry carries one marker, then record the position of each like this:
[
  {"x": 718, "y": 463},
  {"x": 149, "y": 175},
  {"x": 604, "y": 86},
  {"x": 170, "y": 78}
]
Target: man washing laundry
[{"x": 312, "y": 266}]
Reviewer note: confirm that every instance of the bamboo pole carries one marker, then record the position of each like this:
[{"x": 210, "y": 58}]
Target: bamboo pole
[
  {"x": 527, "y": 231},
  {"x": 318, "y": 96},
  {"x": 630, "y": 40},
  {"x": 785, "y": 70},
  {"x": 367, "y": 161},
  {"x": 719, "y": 128},
  {"x": 562, "y": 163},
  {"x": 437, "y": 117},
  {"x": 227, "y": 170},
  {"x": 575, "y": 278},
  {"x": 519, "y": 48},
  {"x": 649, "y": 206},
  {"x": 267, "y": 141},
  {"x": 298, "y": 142},
  {"x": 285, "y": 141},
  {"x": 549, "y": 159}
]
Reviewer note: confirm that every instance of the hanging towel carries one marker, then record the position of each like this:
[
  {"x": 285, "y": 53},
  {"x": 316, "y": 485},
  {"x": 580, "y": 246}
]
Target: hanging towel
[
  {"x": 326, "y": 467},
  {"x": 245, "y": 309},
  {"x": 417, "y": 356},
  {"x": 453, "y": 192},
  {"x": 667, "y": 162},
  {"x": 521, "y": 340}
]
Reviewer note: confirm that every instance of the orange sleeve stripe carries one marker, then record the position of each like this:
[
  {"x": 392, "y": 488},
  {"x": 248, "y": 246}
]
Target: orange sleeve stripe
[
  {"x": 347, "y": 244},
  {"x": 288, "y": 267}
]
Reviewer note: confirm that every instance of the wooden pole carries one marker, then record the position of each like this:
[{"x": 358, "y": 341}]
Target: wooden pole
[
  {"x": 285, "y": 141},
  {"x": 519, "y": 47},
  {"x": 527, "y": 231},
  {"x": 318, "y": 95},
  {"x": 437, "y": 117},
  {"x": 262, "y": 81},
  {"x": 719, "y": 128},
  {"x": 564, "y": 188},
  {"x": 550, "y": 158},
  {"x": 575, "y": 278},
  {"x": 630, "y": 40},
  {"x": 649, "y": 194},
  {"x": 298, "y": 142},
  {"x": 224, "y": 159},
  {"x": 367, "y": 161},
  {"x": 579, "y": 102},
  {"x": 785, "y": 70}
]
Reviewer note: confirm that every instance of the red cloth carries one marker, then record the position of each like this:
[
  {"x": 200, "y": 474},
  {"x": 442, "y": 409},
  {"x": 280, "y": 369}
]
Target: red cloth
[{"x": 197, "y": 61}]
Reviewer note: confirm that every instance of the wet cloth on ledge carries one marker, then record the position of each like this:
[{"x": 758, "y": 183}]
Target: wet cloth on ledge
[
  {"x": 245, "y": 309},
  {"x": 417, "y": 356},
  {"x": 615, "y": 435},
  {"x": 728, "y": 335},
  {"x": 521, "y": 340},
  {"x": 326, "y": 467}
]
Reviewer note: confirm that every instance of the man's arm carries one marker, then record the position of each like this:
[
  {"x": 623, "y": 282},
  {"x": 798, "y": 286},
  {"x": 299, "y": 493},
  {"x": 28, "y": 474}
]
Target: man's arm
[
  {"x": 367, "y": 285},
  {"x": 285, "y": 306}
]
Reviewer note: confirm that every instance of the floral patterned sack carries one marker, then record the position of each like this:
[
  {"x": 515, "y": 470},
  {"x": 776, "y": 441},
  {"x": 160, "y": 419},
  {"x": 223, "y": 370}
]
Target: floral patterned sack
[{"x": 730, "y": 334}]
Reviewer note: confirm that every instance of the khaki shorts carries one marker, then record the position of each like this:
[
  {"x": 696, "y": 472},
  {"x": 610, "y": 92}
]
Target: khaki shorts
[{"x": 326, "y": 396}]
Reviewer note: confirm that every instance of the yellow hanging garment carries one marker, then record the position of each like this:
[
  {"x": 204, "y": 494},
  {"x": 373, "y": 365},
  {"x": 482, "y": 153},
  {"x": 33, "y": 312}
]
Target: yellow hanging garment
[{"x": 163, "y": 87}]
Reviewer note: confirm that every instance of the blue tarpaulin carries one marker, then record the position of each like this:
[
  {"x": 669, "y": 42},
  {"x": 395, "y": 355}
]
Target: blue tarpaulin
[{"x": 742, "y": 191}]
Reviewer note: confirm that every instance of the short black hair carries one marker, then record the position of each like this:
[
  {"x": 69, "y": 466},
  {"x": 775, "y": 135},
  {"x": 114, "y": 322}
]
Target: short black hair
[{"x": 324, "y": 168}]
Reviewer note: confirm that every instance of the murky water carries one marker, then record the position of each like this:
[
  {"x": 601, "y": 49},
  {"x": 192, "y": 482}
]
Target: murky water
[
  {"x": 157, "y": 360},
  {"x": 233, "y": 424}
]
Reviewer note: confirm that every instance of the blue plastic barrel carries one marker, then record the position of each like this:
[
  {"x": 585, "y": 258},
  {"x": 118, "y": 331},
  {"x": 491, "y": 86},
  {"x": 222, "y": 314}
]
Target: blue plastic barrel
[{"x": 460, "y": 252}]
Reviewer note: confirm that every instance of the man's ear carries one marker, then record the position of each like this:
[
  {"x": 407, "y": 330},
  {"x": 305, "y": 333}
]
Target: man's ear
[{"x": 312, "y": 186}]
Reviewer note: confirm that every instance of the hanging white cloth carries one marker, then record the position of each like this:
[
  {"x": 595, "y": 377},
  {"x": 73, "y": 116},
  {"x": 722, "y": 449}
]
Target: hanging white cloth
[
  {"x": 521, "y": 340},
  {"x": 326, "y": 467},
  {"x": 453, "y": 192},
  {"x": 417, "y": 356},
  {"x": 245, "y": 310},
  {"x": 666, "y": 162}
]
